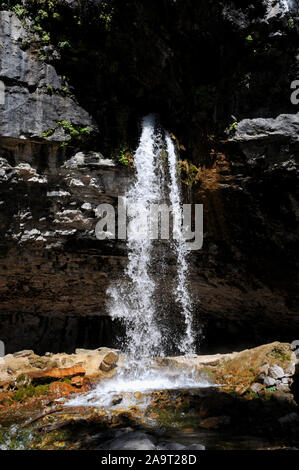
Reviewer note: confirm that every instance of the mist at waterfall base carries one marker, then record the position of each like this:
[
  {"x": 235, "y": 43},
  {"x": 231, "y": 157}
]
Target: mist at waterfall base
[{"x": 134, "y": 298}]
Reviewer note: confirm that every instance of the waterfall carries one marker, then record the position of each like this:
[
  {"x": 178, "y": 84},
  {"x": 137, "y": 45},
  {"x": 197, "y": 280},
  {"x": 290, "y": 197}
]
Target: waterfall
[
  {"x": 133, "y": 301},
  {"x": 182, "y": 294},
  {"x": 133, "y": 298}
]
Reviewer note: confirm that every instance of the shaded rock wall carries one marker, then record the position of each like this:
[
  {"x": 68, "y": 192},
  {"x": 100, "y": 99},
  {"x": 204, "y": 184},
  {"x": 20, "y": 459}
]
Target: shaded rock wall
[{"x": 201, "y": 67}]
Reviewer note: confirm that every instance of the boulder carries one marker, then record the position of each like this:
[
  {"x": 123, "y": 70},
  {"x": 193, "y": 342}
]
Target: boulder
[
  {"x": 109, "y": 361},
  {"x": 256, "y": 387},
  {"x": 276, "y": 372},
  {"x": 131, "y": 441},
  {"x": 269, "y": 382}
]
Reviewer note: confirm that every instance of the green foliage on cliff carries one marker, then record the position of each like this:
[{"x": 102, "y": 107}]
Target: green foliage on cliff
[
  {"x": 189, "y": 173},
  {"x": 123, "y": 155},
  {"x": 74, "y": 133}
]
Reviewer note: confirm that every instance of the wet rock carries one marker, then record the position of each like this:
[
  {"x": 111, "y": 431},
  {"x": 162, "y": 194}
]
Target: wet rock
[
  {"x": 131, "y": 441},
  {"x": 109, "y": 361},
  {"x": 170, "y": 446},
  {"x": 195, "y": 447},
  {"x": 77, "y": 381},
  {"x": 61, "y": 389},
  {"x": 215, "y": 422}
]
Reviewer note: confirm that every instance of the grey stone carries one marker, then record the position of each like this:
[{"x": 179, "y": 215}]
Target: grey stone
[
  {"x": 29, "y": 110},
  {"x": 276, "y": 372},
  {"x": 269, "y": 382},
  {"x": 89, "y": 159},
  {"x": 131, "y": 441},
  {"x": 268, "y": 129},
  {"x": 278, "y": 8},
  {"x": 170, "y": 446},
  {"x": 290, "y": 371},
  {"x": 256, "y": 387},
  {"x": 286, "y": 380}
]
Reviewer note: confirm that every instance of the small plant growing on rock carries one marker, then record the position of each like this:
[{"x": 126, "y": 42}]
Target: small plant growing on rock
[
  {"x": 233, "y": 126},
  {"x": 189, "y": 172},
  {"x": 124, "y": 156},
  {"x": 19, "y": 10}
]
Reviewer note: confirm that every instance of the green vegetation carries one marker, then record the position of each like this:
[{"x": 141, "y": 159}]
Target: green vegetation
[
  {"x": 73, "y": 133},
  {"x": 123, "y": 156},
  {"x": 64, "y": 44},
  {"x": 252, "y": 395},
  {"x": 24, "y": 390},
  {"x": 106, "y": 15},
  {"x": 280, "y": 353},
  {"x": 47, "y": 133},
  {"x": 189, "y": 172},
  {"x": 233, "y": 126},
  {"x": 291, "y": 23}
]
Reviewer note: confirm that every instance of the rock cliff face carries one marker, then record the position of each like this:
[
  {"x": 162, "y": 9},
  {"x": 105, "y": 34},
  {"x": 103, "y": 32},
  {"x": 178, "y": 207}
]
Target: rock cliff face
[{"x": 82, "y": 83}]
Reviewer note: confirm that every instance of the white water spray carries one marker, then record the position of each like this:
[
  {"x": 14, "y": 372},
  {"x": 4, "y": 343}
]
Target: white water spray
[
  {"x": 133, "y": 299},
  {"x": 182, "y": 295}
]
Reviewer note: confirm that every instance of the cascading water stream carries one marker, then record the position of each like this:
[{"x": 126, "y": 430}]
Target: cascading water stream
[
  {"x": 181, "y": 291},
  {"x": 132, "y": 299}
]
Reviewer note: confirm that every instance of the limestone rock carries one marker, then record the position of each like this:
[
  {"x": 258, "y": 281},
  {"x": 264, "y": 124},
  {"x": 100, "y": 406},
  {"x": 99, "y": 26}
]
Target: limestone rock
[
  {"x": 285, "y": 126},
  {"x": 56, "y": 373},
  {"x": 24, "y": 353},
  {"x": 29, "y": 110},
  {"x": 269, "y": 382},
  {"x": 276, "y": 372},
  {"x": 109, "y": 361},
  {"x": 256, "y": 387},
  {"x": 59, "y": 366}
]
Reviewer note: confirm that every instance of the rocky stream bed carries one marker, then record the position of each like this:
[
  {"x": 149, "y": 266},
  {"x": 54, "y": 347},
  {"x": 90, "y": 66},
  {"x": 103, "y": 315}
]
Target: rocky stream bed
[{"x": 242, "y": 400}]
